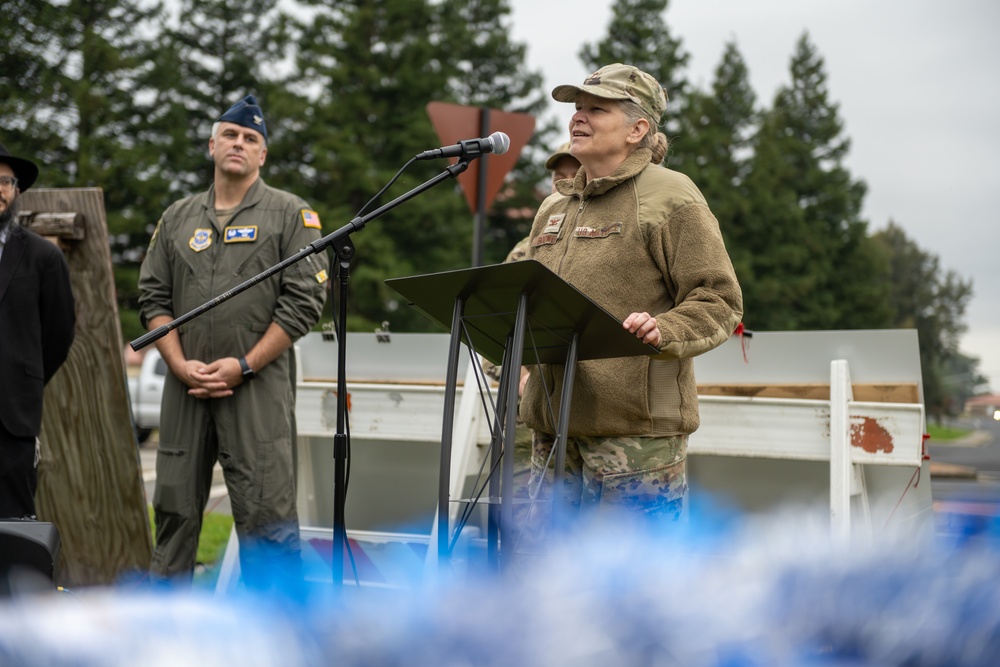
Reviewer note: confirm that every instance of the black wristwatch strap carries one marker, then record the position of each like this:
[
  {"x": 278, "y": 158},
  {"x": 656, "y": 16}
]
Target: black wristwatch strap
[{"x": 248, "y": 373}]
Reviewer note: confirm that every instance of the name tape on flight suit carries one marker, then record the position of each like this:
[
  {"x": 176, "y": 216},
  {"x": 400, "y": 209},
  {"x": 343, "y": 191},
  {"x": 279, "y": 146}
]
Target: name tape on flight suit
[{"x": 240, "y": 234}]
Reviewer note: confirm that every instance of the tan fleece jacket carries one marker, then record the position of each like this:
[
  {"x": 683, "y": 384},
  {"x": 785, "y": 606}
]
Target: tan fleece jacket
[{"x": 641, "y": 239}]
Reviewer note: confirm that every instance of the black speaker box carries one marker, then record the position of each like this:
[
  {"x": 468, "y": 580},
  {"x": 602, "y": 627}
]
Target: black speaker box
[{"x": 29, "y": 545}]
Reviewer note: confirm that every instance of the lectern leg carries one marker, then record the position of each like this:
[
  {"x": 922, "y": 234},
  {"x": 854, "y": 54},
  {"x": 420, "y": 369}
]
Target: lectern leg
[
  {"x": 562, "y": 430},
  {"x": 512, "y": 371},
  {"x": 450, "y": 391}
]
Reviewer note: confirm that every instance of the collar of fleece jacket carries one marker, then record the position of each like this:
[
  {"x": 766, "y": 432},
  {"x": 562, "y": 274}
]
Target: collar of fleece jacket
[{"x": 632, "y": 165}]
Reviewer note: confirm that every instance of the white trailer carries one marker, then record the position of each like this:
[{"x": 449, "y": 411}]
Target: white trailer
[{"x": 787, "y": 418}]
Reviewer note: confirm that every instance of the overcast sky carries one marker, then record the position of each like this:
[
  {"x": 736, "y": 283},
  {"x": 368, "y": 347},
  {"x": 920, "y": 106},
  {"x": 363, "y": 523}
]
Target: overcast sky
[{"x": 918, "y": 84}]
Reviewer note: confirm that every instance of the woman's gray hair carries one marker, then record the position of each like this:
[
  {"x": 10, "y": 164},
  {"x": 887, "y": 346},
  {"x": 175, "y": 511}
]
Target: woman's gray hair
[{"x": 654, "y": 140}]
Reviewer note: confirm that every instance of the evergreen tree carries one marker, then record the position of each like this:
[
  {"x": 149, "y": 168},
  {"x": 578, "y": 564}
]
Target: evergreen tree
[
  {"x": 73, "y": 104},
  {"x": 197, "y": 64},
  {"x": 369, "y": 68},
  {"x": 216, "y": 53},
  {"x": 638, "y": 35},
  {"x": 814, "y": 265},
  {"x": 712, "y": 148},
  {"x": 28, "y": 78},
  {"x": 780, "y": 279},
  {"x": 73, "y": 70},
  {"x": 486, "y": 69},
  {"x": 932, "y": 301}
]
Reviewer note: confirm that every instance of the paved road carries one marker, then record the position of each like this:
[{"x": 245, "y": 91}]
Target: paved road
[{"x": 967, "y": 471}]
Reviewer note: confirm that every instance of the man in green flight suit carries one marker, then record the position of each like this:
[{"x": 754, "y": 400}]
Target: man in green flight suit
[{"x": 229, "y": 396}]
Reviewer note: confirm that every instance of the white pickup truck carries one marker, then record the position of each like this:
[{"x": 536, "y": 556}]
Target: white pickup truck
[{"x": 145, "y": 390}]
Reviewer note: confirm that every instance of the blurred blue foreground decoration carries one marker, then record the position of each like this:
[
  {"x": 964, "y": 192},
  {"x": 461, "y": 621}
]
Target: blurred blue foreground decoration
[
  {"x": 822, "y": 570},
  {"x": 742, "y": 592}
]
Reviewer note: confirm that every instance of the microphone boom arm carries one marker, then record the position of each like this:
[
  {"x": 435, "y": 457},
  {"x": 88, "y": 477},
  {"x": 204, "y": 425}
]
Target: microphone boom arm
[{"x": 316, "y": 246}]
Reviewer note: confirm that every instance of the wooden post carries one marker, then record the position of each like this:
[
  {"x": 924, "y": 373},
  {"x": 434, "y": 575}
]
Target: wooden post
[{"x": 89, "y": 478}]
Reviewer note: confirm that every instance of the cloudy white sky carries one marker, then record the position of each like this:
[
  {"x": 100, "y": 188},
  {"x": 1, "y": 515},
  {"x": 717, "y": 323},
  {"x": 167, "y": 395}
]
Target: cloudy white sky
[{"x": 918, "y": 84}]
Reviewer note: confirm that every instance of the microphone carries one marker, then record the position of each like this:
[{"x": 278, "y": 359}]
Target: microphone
[{"x": 497, "y": 143}]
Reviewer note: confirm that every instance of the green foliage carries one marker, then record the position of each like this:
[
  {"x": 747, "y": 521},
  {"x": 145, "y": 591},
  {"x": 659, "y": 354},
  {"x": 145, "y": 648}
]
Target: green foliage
[
  {"x": 131, "y": 327},
  {"x": 487, "y": 70},
  {"x": 813, "y": 263},
  {"x": 376, "y": 65},
  {"x": 638, "y": 35},
  {"x": 787, "y": 206},
  {"x": 78, "y": 70},
  {"x": 375, "y": 71},
  {"x": 925, "y": 297},
  {"x": 713, "y": 148},
  {"x": 215, "y": 531},
  {"x": 945, "y": 433},
  {"x": 121, "y": 94}
]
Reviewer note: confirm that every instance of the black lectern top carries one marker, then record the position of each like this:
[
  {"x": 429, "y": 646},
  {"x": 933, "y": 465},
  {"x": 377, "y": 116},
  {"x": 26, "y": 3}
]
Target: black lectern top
[{"x": 555, "y": 309}]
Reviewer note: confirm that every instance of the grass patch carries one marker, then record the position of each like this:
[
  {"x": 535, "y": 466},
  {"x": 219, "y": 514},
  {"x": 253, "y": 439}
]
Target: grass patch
[
  {"x": 945, "y": 433},
  {"x": 215, "y": 529}
]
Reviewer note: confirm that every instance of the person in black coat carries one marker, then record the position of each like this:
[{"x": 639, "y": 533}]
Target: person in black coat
[{"x": 37, "y": 323}]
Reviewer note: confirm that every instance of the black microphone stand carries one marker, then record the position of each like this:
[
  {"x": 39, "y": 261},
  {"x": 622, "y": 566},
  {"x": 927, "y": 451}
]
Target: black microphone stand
[{"x": 341, "y": 241}]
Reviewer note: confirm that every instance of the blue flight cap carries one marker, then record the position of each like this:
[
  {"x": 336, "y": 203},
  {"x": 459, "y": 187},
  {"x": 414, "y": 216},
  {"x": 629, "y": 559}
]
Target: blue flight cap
[{"x": 247, "y": 113}]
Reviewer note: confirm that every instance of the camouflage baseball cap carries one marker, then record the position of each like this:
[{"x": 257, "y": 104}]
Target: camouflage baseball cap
[
  {"x": 619, "y": 82},
  {"x": 561, "y": 152}
]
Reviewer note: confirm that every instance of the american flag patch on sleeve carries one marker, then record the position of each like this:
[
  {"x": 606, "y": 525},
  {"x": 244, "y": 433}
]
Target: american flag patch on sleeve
[{"x": 310, "y": 219}]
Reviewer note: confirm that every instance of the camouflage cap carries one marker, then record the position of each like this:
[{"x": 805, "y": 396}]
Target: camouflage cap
[
  {"x": 561, "y": 152},
  {"x": 619, "y": 82}
]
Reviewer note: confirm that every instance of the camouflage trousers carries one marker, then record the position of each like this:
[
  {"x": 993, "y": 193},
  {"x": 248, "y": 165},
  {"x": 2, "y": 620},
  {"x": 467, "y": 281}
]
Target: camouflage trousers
[
  {"x": 646, "y": 476},
  {"x": 522, "y": 474}
]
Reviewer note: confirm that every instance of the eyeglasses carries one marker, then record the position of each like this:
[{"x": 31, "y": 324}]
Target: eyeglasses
[{"x": 8, "y": 183}]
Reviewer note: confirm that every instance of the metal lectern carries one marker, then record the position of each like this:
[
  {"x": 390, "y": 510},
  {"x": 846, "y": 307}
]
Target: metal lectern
[{"x": 517, "y": 314}]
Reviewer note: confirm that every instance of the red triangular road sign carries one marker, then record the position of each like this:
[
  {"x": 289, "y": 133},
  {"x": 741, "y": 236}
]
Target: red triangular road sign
[{"x": 454, "y": 122}]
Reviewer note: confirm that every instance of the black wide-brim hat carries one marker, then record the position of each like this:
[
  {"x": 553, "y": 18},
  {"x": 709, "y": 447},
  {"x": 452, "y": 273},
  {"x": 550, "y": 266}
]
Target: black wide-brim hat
[{"x": 25, "y": 171}]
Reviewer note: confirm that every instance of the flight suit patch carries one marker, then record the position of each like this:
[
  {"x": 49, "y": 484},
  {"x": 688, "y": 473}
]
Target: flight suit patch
[
  {"x": 202, "y": 239},
  {"x": 156, "y": 234},
  {"x": 240, "y": 234},
  {"x": 310, "y": 219}
]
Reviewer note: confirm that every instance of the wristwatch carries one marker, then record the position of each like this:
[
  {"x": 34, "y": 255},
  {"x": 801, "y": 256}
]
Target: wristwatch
[{"x": 248, "y": 373}]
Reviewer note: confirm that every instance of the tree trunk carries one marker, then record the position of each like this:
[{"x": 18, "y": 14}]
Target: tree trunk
[{"x": 90, "y": 477}]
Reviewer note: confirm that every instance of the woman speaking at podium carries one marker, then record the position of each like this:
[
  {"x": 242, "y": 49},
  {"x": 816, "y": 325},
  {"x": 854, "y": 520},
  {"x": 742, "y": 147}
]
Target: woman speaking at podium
[{"x": 640, "y": 241}]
